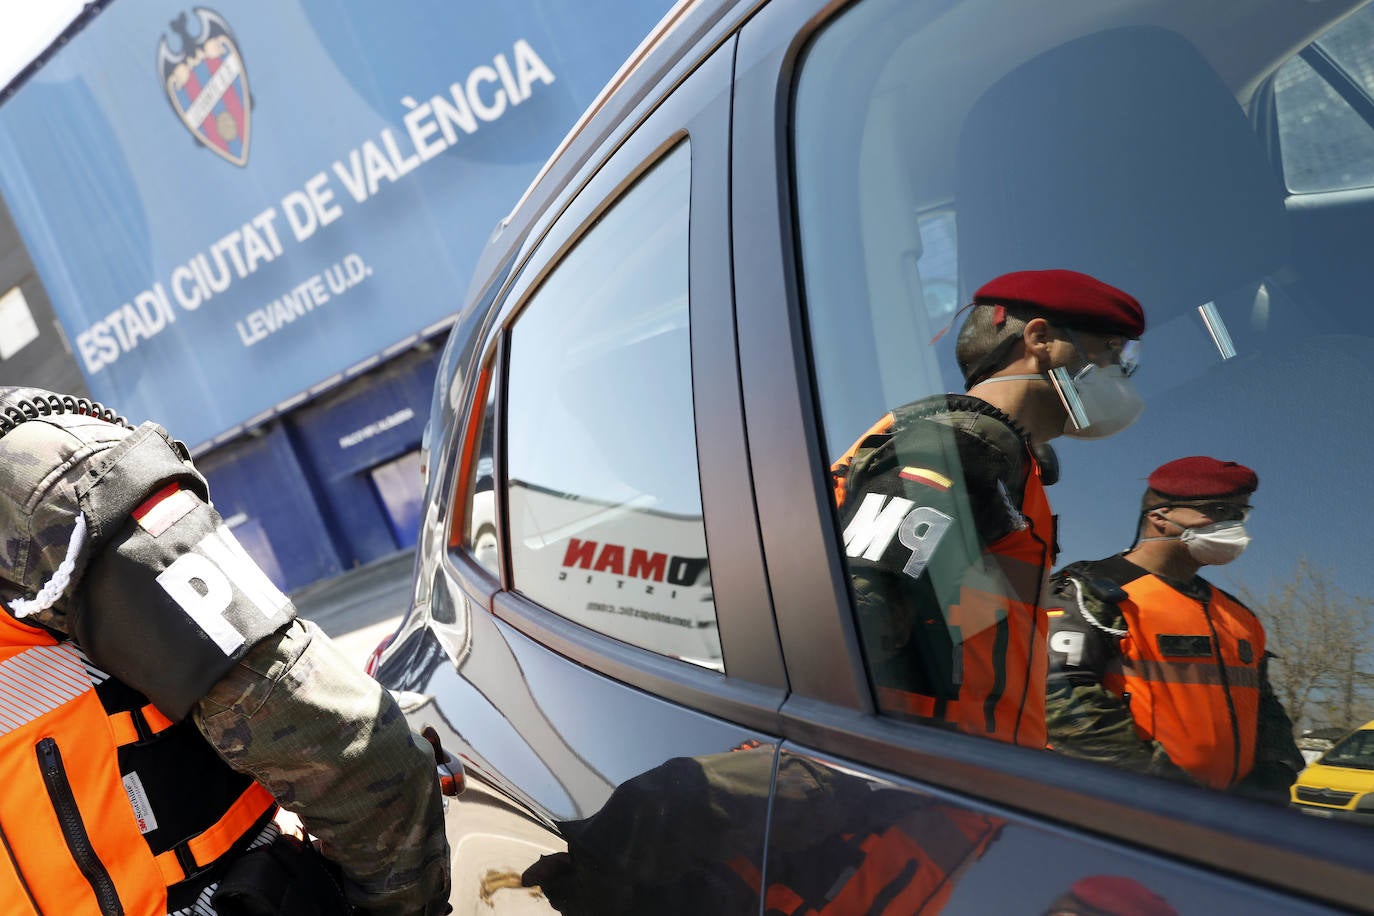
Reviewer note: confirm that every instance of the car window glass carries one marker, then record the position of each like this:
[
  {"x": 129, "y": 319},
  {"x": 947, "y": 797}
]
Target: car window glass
[
  {"x": 1355, "y": 751},
  {"x": 1351, "y": 44},
  {"x": 605, "y": 501},
  {"x": 1326, "y": 144},
  {"x": 1104, "y": 147},
  {"x": 475, "y": 527}
]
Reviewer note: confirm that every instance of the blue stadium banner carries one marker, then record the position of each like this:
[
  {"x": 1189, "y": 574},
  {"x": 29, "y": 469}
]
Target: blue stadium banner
[{"x": 230, "y": 205}]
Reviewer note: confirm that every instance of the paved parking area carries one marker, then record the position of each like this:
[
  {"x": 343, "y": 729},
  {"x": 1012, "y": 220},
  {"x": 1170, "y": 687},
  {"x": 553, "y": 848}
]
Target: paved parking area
[{"x": 361, "y": 607}]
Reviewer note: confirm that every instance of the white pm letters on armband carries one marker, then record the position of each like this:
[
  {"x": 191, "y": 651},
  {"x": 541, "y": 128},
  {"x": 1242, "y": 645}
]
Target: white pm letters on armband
[
  {"x": 877, "y": 521},
  {"x": 1070, "y": 644},
  {"x": 921, "y": 531},
  {"x": 203, "y": 583}
]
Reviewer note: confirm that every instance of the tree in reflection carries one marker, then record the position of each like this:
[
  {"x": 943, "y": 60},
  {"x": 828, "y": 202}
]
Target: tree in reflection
[{"x": 1322, "y": 641}]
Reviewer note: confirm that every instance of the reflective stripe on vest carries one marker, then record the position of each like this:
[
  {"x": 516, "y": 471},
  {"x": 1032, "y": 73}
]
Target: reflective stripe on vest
[
  {"x": 1203, "y": 706},
  {"x": 69, "y": 818}
]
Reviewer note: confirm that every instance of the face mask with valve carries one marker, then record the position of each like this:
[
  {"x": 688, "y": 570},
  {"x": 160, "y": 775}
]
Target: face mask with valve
[{"x": 1100, "y": 402}]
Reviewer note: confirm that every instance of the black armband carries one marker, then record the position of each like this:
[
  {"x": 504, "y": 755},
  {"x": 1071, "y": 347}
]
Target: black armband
[
  {"x": 169, "y": 601},
  {"x": 1078, "y": 651}
]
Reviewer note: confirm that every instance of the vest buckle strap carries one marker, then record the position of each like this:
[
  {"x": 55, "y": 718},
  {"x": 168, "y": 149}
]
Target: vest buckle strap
[{"x": 185, "y": 858}]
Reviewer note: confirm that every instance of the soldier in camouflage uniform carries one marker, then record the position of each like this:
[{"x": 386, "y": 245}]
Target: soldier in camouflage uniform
[
  {"x": 1156, "y": 670},
  {"x": 947, "y": 525},
  {"x": 88, "y": 556}
]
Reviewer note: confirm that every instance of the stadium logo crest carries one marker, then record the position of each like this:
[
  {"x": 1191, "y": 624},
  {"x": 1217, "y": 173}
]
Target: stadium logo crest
[{"x": 207, "y": 85}]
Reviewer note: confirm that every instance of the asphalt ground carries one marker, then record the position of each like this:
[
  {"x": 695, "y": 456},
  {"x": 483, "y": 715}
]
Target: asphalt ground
[{"x": 361, "y": 607}]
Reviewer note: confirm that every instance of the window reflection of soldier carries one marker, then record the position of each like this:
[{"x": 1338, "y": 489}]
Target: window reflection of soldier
[
  {"x": 946, "y": 522},
  {"x": 160, "y": 697},
  {"x": 1155, "y": 669},
  {"x": 685, "y": 838}
]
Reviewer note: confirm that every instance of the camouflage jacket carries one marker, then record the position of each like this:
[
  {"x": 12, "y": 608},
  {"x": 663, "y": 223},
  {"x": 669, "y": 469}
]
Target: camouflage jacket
[
  {"x": 326, "y": 740},
  {"x": 1088, "y": 720}
]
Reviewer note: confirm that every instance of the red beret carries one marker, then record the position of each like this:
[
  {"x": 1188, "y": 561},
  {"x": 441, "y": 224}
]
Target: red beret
[
  {"x": 1119, "y": 896},
  {"x": 1077, "y": 300},
  {"x": 1199, "y": 477}
]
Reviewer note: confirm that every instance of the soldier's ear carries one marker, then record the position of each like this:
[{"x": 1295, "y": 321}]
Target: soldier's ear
[
  {"x": 1157, "y": 521},
  {"x": 1037, "y": 331},
  {"x": 1037, "y": 336}
]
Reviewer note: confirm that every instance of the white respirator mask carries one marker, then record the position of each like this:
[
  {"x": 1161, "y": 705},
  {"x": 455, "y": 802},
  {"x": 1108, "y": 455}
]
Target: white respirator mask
[
  {"x": 1212, "y": 545},
  {"x": 1100, "y": 401}
]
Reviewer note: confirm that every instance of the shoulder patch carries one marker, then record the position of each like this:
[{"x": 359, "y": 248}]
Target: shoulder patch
[
  {"x": 164, "y": 509},
  {"x": 927, "y": 476}
]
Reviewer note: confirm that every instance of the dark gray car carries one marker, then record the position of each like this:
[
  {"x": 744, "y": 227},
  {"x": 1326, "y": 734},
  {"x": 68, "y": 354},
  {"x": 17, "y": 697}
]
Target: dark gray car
[{"x": 632, "y": 617}]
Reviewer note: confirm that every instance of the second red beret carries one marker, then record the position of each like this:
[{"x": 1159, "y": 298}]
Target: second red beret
[{"x": 1200, "y": 477}]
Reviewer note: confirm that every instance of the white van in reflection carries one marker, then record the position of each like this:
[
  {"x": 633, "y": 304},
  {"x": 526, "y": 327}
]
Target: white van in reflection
[{"x": 636, "y": 573}]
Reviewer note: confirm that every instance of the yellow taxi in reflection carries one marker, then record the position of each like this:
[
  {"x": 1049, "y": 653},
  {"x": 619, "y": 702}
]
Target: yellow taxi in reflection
[{"x": 1340, "y": 783}]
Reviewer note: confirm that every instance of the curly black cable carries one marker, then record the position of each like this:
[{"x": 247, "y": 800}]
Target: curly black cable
[{"x": 35, "y": 408}]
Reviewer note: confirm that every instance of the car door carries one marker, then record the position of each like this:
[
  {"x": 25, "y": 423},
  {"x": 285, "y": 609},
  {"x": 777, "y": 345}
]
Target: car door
[
  {"x": 844, "y": 178},
  {"x": 592, "y": 635}
]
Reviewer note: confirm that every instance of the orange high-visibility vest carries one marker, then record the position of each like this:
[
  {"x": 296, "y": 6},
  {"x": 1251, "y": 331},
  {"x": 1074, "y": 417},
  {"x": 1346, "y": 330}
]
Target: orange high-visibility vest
[
  {"x": 1003, "y": 652},
  {"x": 77, "y": 823},
  {"x": 1192, "y": 671}
]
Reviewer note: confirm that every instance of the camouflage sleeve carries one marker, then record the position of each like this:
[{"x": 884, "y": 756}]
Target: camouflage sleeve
[
  {"x": 1277, "y": 758},
  {"x": 1085, "y": 719},
  {"x": 333, "y": 747},
  {"x": 1092, "y": 723}
]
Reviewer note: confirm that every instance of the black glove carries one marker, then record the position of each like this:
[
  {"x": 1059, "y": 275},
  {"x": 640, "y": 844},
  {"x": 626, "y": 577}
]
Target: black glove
[{"x": 284, "y": 878}]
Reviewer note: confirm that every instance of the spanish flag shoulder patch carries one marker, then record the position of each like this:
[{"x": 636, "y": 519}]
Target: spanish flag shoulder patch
[
  {"x": 164, "y": 509},
  {"x": 926, "y": 476}
]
